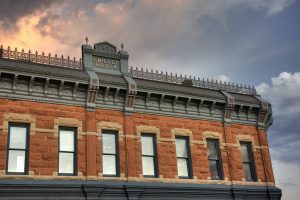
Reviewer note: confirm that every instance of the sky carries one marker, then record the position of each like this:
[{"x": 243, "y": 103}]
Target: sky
[{"x": 253, "y": 42}]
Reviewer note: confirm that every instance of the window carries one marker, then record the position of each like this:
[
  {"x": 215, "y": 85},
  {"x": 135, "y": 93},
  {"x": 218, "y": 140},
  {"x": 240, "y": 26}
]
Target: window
[
  {"x": 110, "y": 155},
  {"x": 17, "y": 149},
  {"x": 67, "y": 154},
  {"x": 248, "y": 161},
  {"x": 214, "y": 159},
  {"x": 183, "y": 157},
  {"x": 149, "y": 155}
]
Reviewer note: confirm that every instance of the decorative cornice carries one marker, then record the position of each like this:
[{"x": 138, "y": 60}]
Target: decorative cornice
[
  {"x": 147, "y": 99},
  {"x": 179, "y": 79},
  {"x": 40, "y": 58}
]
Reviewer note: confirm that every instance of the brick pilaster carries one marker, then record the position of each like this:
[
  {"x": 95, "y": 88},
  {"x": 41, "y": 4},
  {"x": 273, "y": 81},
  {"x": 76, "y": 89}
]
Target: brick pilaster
[{"x": 91, "y": 144}]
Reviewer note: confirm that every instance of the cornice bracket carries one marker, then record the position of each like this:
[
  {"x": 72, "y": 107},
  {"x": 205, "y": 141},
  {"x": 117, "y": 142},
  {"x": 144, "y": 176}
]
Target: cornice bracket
[
  {"x": 75, "y": 90},
  {"x": 162, "y": 97},
  {"x": 199, "y": 106},
  {"x": 116, "y": 95},
  {"x": 61, "y": 89},
  {"x": 187, "y": 104},
  {"x": 15, "y": 82},
  {"x": 175, "y": 102},
  {"x": 264, "y": 117},
  {"x": 106, "y": 91},
  {"x": 46, "y": 86},
  {"x": 212, "y": 108},
  {"x": 147, "y": 99},
  {"x": 229, "y": 107},
  {"x": 30, "y": 87}
]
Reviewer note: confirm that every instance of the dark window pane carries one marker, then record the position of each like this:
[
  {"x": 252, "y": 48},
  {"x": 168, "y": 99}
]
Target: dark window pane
[
  {"x": 147, "y": 145},
  {"x": 109, "y": 143},
  {"x": 66, "y": 163},
  {"x": 213, "y": 167},
  {"x": 109, "y": 164},
  {"x": 182, "y": 167},
  {"x": 244, "y": 151},
  {"x": 17, "y": 138},
  {"x": 16, "y": 162},
  {"x": 247, "y": 172},
  {"x": 148, "y": 166},
  {"x": 66, "y": 140},
  {"x": 212, "y": 150},
  {"x": 181, "y": 150}
]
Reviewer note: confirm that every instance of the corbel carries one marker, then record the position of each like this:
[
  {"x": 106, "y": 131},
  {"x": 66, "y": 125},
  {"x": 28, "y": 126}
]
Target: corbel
[
  {"x": 147, "y": 99},
  {"x": 248, "y": 111},
  {"x": 15, "y": 82},
  {"x": 175, "y": 102},
  {"x": 105, "y": 94},
  {"x": 116, "y": 95},
  {"x": 200, "y": 105},
  {"x": 229, "y": 107},
  {"x": 131, "y": 92},
  {"x": 92, "y": 92},
  {"x": 30, "y": 88},
  {"x": 61, "y": 88},
  {"x": 75, "y": 89},
  {"x": 46, "y": 86},
  {"x": 161, "y": 101},
  {"x": 264, "y": 117},
  {"x": 187, "y": 104},
  {"x": 212, "y": 106},
  {"x": 240, "y": 107}
]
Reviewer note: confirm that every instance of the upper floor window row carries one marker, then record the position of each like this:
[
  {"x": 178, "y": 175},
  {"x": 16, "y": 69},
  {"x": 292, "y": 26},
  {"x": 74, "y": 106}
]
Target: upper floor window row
[{"x": 18, "y": 154}]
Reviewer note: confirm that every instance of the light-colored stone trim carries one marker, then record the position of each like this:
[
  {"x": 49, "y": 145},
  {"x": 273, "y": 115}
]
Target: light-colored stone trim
[
  {"x": 246, "y": 138},
  {"x": 121, "y": 178},
  {"x": 44, "y": 130},
  {"x": 68, "y": 122},
  {"x": 78, "y": 177},
  {"x": 139, "y": 179},
  {"x": 148, "y": 129},
  {"x": 181, "y": 131},
  {"x": 19, "y": 118},
  {"x": 213, "y": 135},
  {"x": 113, "y": 126},
  {"x": 238, "y": 146},
  {"x": 92, "y": 133},
  {"x": 198, "y": 181}
]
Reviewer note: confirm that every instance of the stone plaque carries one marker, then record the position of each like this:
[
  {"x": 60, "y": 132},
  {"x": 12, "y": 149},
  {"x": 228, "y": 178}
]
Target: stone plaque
[{"x": 107, "y": 63}]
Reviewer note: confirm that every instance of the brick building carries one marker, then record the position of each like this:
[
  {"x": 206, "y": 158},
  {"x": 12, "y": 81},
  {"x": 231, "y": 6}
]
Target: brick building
[{"x": 97, "y": 129}]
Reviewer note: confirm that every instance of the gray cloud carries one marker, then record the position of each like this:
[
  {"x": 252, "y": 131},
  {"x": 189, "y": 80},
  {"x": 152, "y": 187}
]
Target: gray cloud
[
  {"x": 157, "y": 34},
  {"x": 284, "y": 135},
  {"x": 12, "y": 10}
]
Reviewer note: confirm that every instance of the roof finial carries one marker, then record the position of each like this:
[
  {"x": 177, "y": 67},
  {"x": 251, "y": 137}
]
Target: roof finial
[
  {"x": 122, "y": 46},
  {"x": 86, "y": 40}
]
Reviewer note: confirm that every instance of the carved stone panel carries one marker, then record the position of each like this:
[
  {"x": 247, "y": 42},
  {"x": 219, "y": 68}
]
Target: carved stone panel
[{"x": 105, "y": 46}]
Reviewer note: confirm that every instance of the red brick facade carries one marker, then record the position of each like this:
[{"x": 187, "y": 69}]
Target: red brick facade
[{"x": 45, "y": 118}]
